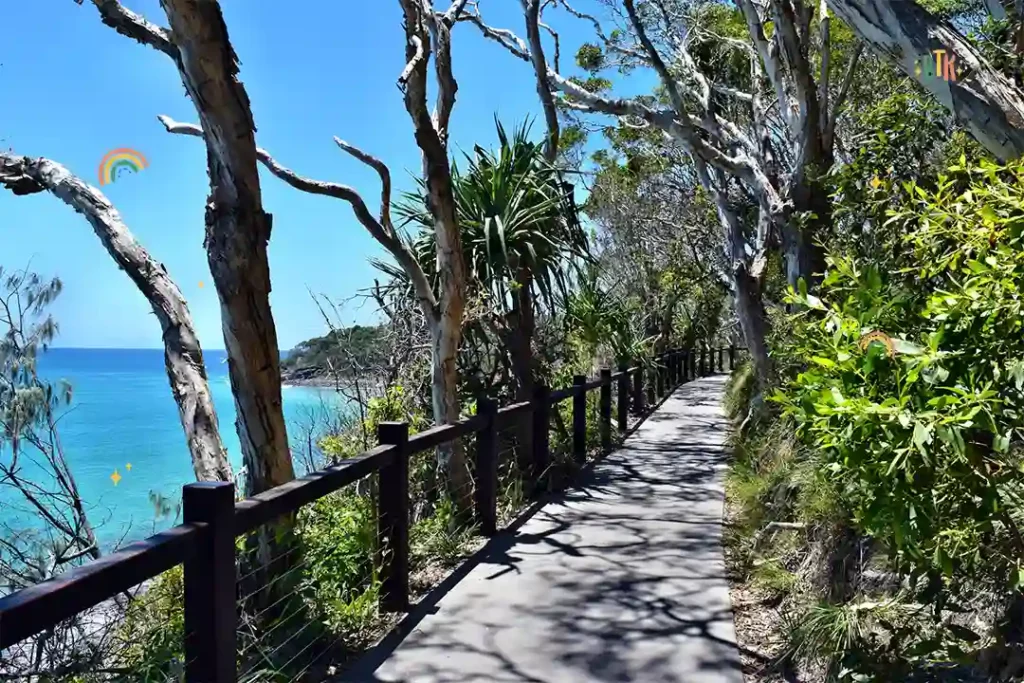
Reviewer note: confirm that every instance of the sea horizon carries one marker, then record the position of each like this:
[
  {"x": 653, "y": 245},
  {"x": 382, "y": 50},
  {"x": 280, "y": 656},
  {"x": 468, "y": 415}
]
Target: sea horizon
[{"x": 122, "y": 413}]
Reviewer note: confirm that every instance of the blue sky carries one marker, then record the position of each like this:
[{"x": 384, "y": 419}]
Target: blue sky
[{"x": 73, "y": 89}]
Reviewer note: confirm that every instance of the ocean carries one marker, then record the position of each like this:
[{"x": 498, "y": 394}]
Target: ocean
[{"x": 122, "y": 412}]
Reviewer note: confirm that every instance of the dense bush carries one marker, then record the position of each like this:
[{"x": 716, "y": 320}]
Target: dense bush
[{"x": 903, "y": 384}]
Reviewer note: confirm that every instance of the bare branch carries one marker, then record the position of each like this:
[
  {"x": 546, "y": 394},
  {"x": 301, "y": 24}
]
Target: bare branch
[
  {"x": 382, "y": 170},
  {"x": 380, "y": 228},
  {"x": 184, "y": 357},
  {"x": 504, "y": 37},
  {"x": 134, "y": 26}
]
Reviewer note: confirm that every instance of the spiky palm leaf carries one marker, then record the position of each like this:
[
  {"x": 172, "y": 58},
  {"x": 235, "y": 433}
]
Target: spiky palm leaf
[{"x": 515, "y": 216}]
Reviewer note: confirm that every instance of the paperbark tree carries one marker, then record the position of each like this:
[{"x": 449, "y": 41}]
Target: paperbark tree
[
  {"x": 984, "y": 101},
  {"x": 776, "y": 153},
  {"x": 428, "y": 33},
  {"x": 183, "y": 357},
  {"x": 237, "y": 228}
]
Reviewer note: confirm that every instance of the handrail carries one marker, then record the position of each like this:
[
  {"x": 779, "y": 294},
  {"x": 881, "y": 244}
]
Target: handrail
[{"x": 32, "y": 610}]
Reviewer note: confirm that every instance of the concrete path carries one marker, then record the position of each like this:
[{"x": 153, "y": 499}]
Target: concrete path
[{"x": 622, "y": 580}]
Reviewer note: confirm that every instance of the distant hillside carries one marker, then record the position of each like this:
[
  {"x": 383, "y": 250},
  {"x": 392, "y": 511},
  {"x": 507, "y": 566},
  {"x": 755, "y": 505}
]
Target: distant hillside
[{"x": 311, "y": 359}]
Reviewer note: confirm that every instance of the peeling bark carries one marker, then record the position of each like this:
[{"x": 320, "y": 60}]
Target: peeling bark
[
  {"x": 981, "y": 99},
  {"x": 183, "y": 357},
  {"x": 428, "y": 32},
  {"x": 237, "y": 232},
  {"x": 237, "y": 228}
]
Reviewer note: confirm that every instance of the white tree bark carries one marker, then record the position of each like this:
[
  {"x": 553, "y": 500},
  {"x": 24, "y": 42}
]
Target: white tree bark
[
  {"x": 237, "y": 228},
  {"x": 982, "y": 100},
  {"x": 183, "y": 357},
  {"x": 782, "y": 181},
  {"x": 429, "y": 32}
]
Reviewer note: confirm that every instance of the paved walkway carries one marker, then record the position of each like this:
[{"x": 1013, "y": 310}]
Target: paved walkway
[{"x": 623, "y": 580}]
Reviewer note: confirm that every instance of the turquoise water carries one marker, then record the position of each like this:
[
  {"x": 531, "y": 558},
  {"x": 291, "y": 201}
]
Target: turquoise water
[{"x": 123, "y": 412}]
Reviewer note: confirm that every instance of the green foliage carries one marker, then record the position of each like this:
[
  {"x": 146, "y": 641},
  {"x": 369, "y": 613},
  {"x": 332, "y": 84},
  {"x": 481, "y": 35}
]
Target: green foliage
[
  {"x": 517, "y": 220},
  {"x": 914, "y": 388},
  {"x": 590, "y": 57},
  {"x": 774, "y": 578},
  {"x": 441, "y": 537},
  {"x": 151, "y": 636},
  {"x": 739, "y": 390},
  {"x": 845, "y": 639},
  {"x": 337, "y": 349},
  {"x": 394, "y": 405},
  {"x": 338, "y": 536}
]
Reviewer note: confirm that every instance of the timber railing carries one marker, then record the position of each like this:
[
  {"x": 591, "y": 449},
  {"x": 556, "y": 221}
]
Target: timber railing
[{"x": 205, "y": 543}]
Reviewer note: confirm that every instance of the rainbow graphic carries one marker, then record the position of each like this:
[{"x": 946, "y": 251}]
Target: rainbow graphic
[{"x": 121, "y": 158}]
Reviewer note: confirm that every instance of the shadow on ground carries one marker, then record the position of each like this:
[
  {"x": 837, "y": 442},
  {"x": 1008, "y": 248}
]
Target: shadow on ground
[{"x": 620, "y": 579}]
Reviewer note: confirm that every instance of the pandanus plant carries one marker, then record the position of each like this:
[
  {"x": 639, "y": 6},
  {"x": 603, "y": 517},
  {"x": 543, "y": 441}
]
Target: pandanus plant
[{"x": 521, "y": 240}]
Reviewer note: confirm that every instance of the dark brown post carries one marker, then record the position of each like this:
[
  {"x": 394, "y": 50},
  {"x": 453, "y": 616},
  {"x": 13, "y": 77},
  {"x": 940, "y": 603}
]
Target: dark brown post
[
  {"x": 638, "y": 390},
  {"x": 579, "y": 419},
  {"x": 605, "y": 405},
  {"x": 622, "y": 397},
  {"x": 676, "y": 378},
  {"x": 660, "y": 390},
  {"x": 487, "y": 467},
  {"x": 210, "y": 612},
  {"x": 684, "y": 366},
  {"x": 732, "y": 357},
  {"x": 651, "y": 383},
  {"x": 693, "y": 363},
  {"x": 721, "y": 359},
  {"x": 541, "y": 435},
  {"x": 393, "y": 519},
  {"x": 703, "y": 361}
]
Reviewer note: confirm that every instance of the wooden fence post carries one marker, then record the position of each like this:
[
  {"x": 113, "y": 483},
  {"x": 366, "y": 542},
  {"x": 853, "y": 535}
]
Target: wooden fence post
[
  {"x": 703, "y": 361},
  {"x": 660, "y": 389},
  {"x": 487, "y": 467},
  {"x": 622, "y": 397},
  {"x": 684, "y": 366},
  {"x": 732, "y": 357},
  {"x": 605, "y": 405},
  {"x": 210, "y": 612},
  {"x": 579, "y": 419},
  {"x": 541, "y": 433},
  {"x": 393, "y": 519},
  {"x": 721, "y": 359},
  {"x": 638, "y": 390}
]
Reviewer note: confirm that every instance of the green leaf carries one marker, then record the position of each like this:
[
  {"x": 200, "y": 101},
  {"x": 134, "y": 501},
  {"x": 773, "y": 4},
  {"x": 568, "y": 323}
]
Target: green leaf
[
  {"x": 824, "y": 362},
  {"x": 922, "y": 437}
]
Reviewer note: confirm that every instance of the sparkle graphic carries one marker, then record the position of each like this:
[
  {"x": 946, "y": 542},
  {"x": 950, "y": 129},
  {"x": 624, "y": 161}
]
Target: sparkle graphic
[
  {"x": 200, "y": 284},
  {"x": 875, "y": 182},
  {"x": 115, "y": 477},
  {"x": 128, "y": 467}
]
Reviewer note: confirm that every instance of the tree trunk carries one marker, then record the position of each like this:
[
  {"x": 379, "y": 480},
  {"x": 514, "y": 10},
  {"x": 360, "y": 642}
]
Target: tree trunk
[
  {"x": 522, "y": 324},
  {"x": 806, "y": 224},
  {"x": 540, "y": 70},
  {"x": 753, "y": 322},
  {"x": 183, "y": 357},
  {"x": 980, "y": 98},
  {"x": 446, "y": 335},
  {"x": 237, "y": 232}
]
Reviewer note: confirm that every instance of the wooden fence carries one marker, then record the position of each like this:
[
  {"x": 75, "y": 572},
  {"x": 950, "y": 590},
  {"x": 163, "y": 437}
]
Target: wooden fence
[{"x": 212, "y": 519}]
